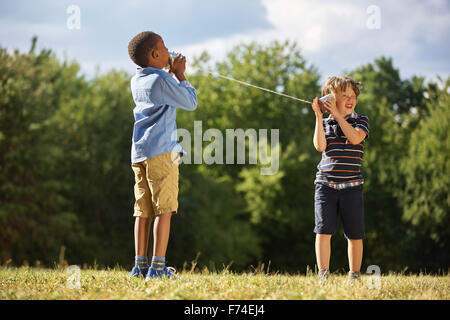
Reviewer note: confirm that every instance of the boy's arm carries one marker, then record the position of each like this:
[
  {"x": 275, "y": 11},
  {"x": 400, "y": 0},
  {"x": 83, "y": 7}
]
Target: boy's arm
[
  {"x": 319, "y": 139},
  {"x": 354, "y": 135},
  {"x": 180, "y": 95}
]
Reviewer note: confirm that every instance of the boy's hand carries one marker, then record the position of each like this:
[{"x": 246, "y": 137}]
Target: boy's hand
[
  {"x": 330, "y": 106},
  {"x": 316, "y": 107},
  {"x": 169, "y": 68},
  {"x": 178, "y": 67}
]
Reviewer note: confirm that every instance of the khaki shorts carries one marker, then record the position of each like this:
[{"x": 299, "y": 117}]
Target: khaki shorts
[{"x": 156, "y": 185}]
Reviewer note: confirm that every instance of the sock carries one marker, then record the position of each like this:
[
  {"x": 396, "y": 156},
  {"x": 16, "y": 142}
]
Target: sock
[
  {"x": 324, "y": 271},
  {"x": 141, "y": 262},
  {"x": 158, "y": 263}
]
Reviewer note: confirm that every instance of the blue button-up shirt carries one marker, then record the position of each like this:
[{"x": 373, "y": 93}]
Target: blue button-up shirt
[{"x": 157, "y": 95}]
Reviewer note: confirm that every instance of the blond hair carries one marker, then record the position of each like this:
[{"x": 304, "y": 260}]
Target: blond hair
[{"x": 336, "y": 84}]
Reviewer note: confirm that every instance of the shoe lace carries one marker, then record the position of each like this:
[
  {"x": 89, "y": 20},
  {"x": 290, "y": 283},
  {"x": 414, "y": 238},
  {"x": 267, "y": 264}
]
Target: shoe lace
[
  {"x": 172, "y": 270},
  {"x": 142, "y": 267}
]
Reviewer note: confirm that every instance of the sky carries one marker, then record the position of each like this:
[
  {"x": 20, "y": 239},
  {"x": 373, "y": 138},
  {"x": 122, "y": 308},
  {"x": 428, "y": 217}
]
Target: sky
[{"x": 333, "y": 35}]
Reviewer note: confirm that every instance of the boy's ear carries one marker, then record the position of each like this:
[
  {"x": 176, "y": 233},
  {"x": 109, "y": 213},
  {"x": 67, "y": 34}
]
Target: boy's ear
[{"x": 154, "y": 54}]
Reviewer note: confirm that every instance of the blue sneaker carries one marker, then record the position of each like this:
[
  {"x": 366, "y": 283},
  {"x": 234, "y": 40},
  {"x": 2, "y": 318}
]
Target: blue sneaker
[
  {"x": 138, "y": 270},
  {"x": 167, "y": 272}
]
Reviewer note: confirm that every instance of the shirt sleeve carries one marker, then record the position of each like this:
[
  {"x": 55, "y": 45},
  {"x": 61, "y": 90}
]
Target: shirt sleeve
[
  {"x": 179, "y": 95},
  {"x": 363, "y": 123}
]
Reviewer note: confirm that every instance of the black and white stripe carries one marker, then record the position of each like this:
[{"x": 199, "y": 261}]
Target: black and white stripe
[{"x": 341, "y": 161}]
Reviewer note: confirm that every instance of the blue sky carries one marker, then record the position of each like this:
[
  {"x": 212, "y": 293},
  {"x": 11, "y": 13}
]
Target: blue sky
[{"x": 333, "y": 35}]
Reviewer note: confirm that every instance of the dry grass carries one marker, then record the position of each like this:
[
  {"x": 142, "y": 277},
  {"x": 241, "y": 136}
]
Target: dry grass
[{"x": 32, "y": 283}]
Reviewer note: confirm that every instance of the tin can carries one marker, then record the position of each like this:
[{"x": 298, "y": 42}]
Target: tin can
[
  {"x": 328, "y": 96},
  {"x": 172, "y": 56},
  {"x": 323, "y": 99}
]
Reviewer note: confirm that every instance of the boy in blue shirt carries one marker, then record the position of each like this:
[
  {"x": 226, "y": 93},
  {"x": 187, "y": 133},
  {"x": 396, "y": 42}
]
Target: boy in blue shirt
[
  {"x": 155, "y": 152},
  {"x": 339, "y": 179}
]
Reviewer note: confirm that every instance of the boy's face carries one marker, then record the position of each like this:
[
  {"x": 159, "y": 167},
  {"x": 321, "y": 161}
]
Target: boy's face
[
  {"x": 346, "y": 101},
  {"x": 159, "y": 57}
]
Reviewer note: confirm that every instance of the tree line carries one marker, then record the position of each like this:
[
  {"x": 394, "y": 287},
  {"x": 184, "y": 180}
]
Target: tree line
[{"x": 66, "y": 178}]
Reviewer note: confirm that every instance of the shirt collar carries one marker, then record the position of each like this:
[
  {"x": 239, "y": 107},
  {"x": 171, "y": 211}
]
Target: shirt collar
[
  {"x": 148, "y": 70},
  {"x": 353, "y": 115}
]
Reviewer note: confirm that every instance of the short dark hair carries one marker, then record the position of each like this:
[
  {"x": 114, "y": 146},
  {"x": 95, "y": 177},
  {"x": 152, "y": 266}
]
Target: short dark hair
[{"x": 140, "y": 46}]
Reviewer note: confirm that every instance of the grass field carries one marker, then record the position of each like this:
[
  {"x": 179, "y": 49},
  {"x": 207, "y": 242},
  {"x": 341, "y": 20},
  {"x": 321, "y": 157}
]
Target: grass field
[{"x": 33, "y": 283}]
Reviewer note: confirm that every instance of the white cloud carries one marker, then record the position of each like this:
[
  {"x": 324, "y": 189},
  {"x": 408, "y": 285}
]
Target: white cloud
[
  {"x": 316, "y": 26},
  {"x": 331, "y": 34},
  {"x": 13, "y": 27},
  {"x": 334, "y": 34}
]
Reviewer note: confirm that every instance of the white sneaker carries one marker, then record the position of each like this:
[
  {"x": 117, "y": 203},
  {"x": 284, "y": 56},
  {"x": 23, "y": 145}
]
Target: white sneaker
[
  {"x": 353, "y": 276},
  {"x": 323, "y": 275}
]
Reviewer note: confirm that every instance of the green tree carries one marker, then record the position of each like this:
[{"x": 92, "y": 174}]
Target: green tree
[
  {"x": 66, "y": 178},
  {"x": 35, "y": 217},
  {"x": 426, "y": 169},
  {"x": 396, "y": 109},
  {"x": 279, "y": 207}
]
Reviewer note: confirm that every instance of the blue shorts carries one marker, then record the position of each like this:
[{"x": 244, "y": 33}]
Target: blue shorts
[{"x": 329, "y": 203}]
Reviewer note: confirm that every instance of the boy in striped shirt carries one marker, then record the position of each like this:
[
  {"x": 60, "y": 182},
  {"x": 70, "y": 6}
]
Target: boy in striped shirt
[{"x": 339, "y": 180}]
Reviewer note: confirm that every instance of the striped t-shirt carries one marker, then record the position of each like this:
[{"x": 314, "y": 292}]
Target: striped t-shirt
[{"x": 340, "y": 166}]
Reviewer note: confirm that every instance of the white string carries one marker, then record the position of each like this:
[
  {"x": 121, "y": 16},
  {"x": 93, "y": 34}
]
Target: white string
[{"x": 260, "y": 88}]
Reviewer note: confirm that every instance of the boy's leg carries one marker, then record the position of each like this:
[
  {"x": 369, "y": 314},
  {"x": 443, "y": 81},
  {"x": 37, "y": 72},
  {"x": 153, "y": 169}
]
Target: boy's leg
[
  {"x": 163, "y": 181},
  {"x": 326, "y": 221},
  {"x": 162, "y": 175},
  {"x": 352, "y": 204},
  {"x": 141, "y": 235},
  {"x": 323, "y": 251},
  {"x": 355, "y": 254},
  {"x": 143, "y": 214},
  {"x": 161, "y": 232}
]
